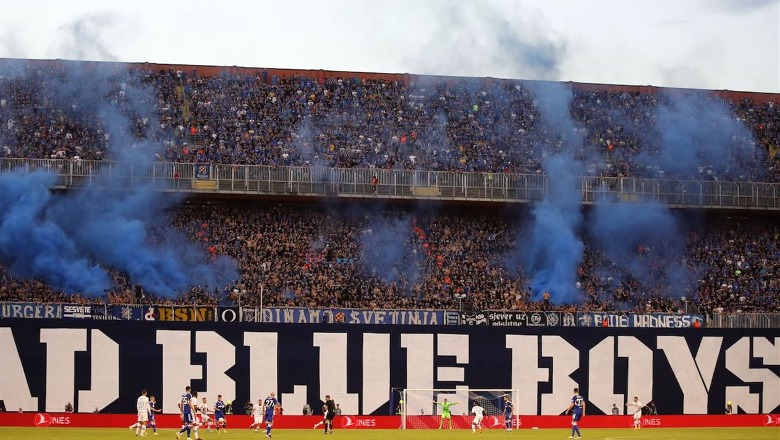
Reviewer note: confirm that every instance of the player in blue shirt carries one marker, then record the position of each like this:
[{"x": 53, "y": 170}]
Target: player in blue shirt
[
  {"x": 187, "y": 411},
  {"x": 219, "y": 414},
  {"x": 577, "y": 408},
  {"x": 269, "y": 404},
  {"x": 508, "y": 408},
  {"x": 152, "y": 412}
]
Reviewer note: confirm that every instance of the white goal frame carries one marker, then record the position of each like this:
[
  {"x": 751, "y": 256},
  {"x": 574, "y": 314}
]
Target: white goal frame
[{"x": 422, "y": 400}]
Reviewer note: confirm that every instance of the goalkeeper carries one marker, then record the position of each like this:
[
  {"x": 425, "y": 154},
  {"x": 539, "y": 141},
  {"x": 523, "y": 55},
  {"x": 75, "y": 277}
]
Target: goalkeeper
[{"x": 446, "y": 413}]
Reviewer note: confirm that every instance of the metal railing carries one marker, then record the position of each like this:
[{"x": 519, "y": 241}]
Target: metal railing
[
  {"x": 744, "y": 320},
  {"x": 393, "y": 184}
]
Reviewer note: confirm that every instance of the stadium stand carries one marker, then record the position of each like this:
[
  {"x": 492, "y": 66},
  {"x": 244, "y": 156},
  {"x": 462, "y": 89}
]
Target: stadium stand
[
  {"x": 431, "y": 124},
  {"x": 310, "y": 257}
]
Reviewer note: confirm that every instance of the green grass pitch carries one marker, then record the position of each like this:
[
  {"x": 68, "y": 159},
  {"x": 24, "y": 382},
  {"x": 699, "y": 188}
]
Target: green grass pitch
[{"x": 769, "y": 433}]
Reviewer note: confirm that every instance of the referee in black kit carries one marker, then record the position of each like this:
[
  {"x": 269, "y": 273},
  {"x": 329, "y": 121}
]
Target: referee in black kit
[{"x": 331, "y": 405}]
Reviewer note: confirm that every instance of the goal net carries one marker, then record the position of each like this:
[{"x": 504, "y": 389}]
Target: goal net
[{"x": 422, "y": 408}]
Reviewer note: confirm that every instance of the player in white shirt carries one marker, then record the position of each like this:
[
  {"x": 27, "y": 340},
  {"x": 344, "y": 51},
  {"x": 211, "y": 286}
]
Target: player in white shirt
[
  {"x": 257, "y": 415},
  {"x": 204, "y": 414},
  {"x": 142, "y": 407},
  {"x": 637, "y": 408},
  {"x": 478, "y": 412},
  {"x": 198, "y": 416},
  {"x": 324, "y": 417}
]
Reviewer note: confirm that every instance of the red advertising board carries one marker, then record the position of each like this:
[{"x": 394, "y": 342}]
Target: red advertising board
[
  {"x": 658, "y": 421},
  {"x": 46, "y": 420},
  {"x": 77, "y": 420}
]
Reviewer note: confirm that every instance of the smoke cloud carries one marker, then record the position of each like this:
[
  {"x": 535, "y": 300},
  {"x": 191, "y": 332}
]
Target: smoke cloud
[
  {"x": 70, "y": 240},
  {"x": 83, "y": 38},
  {"x": 697, "y": 135},
  {"x": 507, "y": 42},
  {"x": 645, "y": 240},
  {"x": 385, "y": 249},
  {"x": 33, "y": 245},
  {"x": 555, "y": 248}
]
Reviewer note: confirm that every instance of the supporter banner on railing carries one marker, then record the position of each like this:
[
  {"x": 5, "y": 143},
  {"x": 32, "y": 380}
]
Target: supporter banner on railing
[
  {"x": 352, "y": 316},
  {"x": 155, "y": 313},
  {"x": 184, "y": 313},
  {"x": 77, "y": 311},
  {"x": 121, "y": 312},
  {"x": 30, "y": 310},
  {"x": 228, "y": 314},
  {"x": 642, "y": 320},
  {"x": 519, "y": 319},
  {"x": 250, "y": 315},
  {"x": 117, "y": 312},
  {"x": 349, "y": 316},
  {"x": 202, "y": 171}
]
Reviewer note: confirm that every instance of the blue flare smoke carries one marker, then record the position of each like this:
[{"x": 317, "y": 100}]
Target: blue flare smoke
[
  {"x": 34, "y": 245},
  {"x": 385, "y": 250},
  {"x": 620, "y": 229},
  {"x": 555, "y": 248},
  {"x": 698, "y": 135},
  {"x": 71, "y": 239}
]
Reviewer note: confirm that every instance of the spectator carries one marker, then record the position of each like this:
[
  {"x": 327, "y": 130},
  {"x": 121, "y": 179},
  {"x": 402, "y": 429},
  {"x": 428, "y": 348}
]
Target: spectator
[
  {"x": 312, "y": 258},
  {"x": 318, "y": 259},
  {"x": 466, "y": 125}
]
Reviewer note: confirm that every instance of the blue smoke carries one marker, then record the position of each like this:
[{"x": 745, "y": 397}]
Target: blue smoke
[
  {"x": 697, "y": 135},
  {"x": 555, "y": 249},
  {"x": 387, "y": 250},
  {"x": 129, "y": 232},
  {"x": 620, "y": 230},
  {"x": 33, "y": 245},
  {"x": 70, "y": 239}
]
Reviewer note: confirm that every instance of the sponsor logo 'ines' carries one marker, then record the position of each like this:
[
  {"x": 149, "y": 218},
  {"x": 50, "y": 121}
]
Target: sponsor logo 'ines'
[
  {"x": 42, "y": 420},
  {"x": 358, "y": 422},
  {"x": 61, "y": 420}
]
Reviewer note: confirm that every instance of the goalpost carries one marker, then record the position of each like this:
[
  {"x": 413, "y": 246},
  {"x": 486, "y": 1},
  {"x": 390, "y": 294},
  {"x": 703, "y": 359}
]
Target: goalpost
[{"x": 421, "y": 411}]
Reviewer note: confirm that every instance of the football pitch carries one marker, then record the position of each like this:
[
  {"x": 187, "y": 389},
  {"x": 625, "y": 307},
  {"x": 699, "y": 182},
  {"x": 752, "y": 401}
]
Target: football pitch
[{"x": 769, "y": 433}]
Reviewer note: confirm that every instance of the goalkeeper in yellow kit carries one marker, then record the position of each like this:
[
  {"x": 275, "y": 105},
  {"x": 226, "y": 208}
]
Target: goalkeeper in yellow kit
[{"x": 445, "y": 412}]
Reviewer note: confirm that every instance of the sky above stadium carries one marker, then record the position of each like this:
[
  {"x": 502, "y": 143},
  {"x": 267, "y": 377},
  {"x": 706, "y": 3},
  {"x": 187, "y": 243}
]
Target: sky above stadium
[{"x": 710, "y": 44}]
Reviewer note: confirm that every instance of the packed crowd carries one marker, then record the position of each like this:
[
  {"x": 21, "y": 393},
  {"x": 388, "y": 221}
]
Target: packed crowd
[
  {"x": 460, "y": 125},
  {"x": 303, "y": 257},
  {"x": 300, "y": 256}
]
